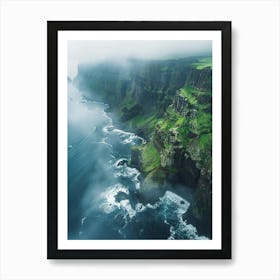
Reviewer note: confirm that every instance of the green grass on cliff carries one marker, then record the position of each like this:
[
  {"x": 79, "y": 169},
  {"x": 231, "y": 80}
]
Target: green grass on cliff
[
  {"x": 202, "y": 63},
  {"x": 180, "y": 121},
  {"x": 197, "y": 126},
  {"x": 205, "y": 141},
  {"x": 201, "y": 124},
  {"x": 141, "y": 121},
  {"x": 192, "y": 94},
  {"x": 150, "y": 157},
  {"x": 187, "y": 92},
  {"x": 205, "y": 122},
  {"x": 170, "y": 120}
]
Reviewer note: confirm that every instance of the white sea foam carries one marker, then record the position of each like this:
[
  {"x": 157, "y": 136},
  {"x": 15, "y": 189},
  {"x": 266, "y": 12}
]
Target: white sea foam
[
  {"x": 110, "y": 204},
  {"x": 174, "y": 205},
  {"x": 127, "y": 172},
  {"x": 153, "y": 206},
  {"x": 185, "y": 231},
  {"x": 107, "y": 128},
  {"x": 128, "y": 137},
  {"x": 181, "y": 205},
  {"x": 103, "y": 141},
  {"x": 117, "y": 163},
  {"x": 137, "y": 185},
  {"x": 83, "y": 220},
  {"x": 127, "y": 206},
  {"x": 139, "y": 207}
]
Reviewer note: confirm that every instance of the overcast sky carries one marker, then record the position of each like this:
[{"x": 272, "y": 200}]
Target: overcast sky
[{"x": 96, "y": 51}]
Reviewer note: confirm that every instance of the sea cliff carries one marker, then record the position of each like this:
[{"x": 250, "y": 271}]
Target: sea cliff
[{"x": 169, "y": 103}]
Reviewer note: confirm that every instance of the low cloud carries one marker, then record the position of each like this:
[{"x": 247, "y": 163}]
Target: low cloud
[{"x": 80, "y": 52}]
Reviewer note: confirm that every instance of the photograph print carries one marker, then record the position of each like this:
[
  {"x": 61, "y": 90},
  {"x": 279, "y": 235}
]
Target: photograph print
[{"x": 139, "y": 143}]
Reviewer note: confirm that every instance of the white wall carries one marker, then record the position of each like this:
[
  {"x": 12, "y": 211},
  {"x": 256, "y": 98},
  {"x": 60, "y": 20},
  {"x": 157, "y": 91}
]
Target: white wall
[{"x": 255, "y": 140}]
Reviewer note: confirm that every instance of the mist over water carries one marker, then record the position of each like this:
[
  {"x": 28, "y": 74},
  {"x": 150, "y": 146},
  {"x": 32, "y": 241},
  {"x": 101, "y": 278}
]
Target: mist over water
[
  {"x": 103, "y": 200},
  {"x": 96, "y": 51}
]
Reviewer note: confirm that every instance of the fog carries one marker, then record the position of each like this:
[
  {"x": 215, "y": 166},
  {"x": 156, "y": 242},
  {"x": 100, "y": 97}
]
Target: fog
[
  {"x": 82, "y": 121},
  {"x": 95, "y": 147},
  {"x": 80, "y": 52}
]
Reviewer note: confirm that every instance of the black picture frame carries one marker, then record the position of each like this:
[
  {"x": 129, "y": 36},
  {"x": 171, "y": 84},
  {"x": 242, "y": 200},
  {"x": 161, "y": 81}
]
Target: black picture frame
[{"x": 52, "y": 88}]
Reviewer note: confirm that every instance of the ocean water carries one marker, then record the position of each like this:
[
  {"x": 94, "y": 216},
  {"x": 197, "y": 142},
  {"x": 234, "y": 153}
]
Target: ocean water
[{"x": 102, "y": 189}]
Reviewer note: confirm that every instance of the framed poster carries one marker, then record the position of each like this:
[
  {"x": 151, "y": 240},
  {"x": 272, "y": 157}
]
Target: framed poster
[{"x": 139, "y": 140}]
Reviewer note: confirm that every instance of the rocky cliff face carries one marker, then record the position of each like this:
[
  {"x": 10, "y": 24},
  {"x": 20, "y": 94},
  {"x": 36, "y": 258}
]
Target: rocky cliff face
[{"x": 170, "y": 104}]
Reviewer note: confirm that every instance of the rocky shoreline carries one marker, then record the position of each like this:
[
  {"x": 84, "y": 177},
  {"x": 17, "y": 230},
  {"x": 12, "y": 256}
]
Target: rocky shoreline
[{"x": 169, "y": 103}]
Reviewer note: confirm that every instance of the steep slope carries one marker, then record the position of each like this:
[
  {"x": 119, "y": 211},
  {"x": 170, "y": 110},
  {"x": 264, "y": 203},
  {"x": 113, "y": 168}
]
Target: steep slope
[{"x": 170, "y": 104}]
